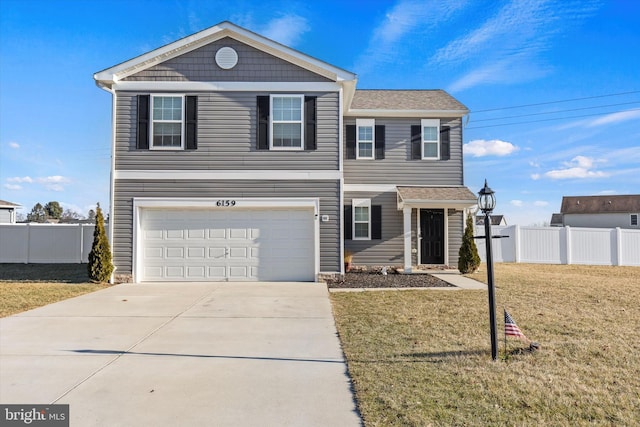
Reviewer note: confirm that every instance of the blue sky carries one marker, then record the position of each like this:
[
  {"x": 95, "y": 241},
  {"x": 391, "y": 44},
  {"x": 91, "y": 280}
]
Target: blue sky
[{"x": 553, "y": 86}]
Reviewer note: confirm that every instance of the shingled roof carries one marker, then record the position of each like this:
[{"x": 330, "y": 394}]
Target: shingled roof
[
  {"x": 407, "y": 100},
  {"x": 600, "y": 204}
]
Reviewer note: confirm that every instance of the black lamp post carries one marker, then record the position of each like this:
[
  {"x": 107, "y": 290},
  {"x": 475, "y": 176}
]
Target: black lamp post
[{"x": 486, "y": 203}]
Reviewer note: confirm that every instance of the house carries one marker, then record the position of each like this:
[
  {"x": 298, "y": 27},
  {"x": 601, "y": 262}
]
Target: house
[
  {"x": 8, "y": 212},
  {"x": 495, "y": 220},
  {"x": 599, "y": 212},
  {"x": 238, "y": 158}
]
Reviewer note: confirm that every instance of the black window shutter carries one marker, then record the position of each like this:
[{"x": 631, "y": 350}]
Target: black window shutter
[
  {"x": 445, "y": 143},
  {"x": 348, "y": 223},
  {"x": 380, "y": 142},
  {"x": 262, "y": 128},
  {"x": 416, "y": 142},
  {"x": 191, "y": 129},
  {"x": 310, "y": 131},
  {"x": 376, "y": 222},
  {"x": 351, "y": 141},
  {"x": 142, "y": 142}
]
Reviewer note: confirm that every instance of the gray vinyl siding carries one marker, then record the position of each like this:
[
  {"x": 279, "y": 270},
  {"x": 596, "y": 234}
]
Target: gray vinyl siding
[
  {"x": 5, "y": 216},
  {"x": 397, "y": 167},
  {"x": 456, "y": 231},
  {"x": 253, "y": 66},
  {"x": 227, "y": 137},
  {"x": 390, "y": 249},
  {"x": 326, "y": 191}
]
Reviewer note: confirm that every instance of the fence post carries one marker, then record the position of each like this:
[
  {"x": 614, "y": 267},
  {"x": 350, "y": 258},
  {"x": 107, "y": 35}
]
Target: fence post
[
  {"x": 567, "y": 237},
  {"x": 81, "y": 248},
  {"x": 516, "y": 242},
  {"x": 28, "y": 243},
  {"x": 618, "y": 246}
]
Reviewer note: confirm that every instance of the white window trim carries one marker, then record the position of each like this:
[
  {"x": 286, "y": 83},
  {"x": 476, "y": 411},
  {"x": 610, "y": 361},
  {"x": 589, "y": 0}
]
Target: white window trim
[
  {"x": 366, "y": 123},
  {"x": 360, "y": 203},
  {"x": 302, "y": 121},
  {"x": 637, "y": 224},
  {"x": 152, "y": 121},
  {"x": 430, "y": 123}
]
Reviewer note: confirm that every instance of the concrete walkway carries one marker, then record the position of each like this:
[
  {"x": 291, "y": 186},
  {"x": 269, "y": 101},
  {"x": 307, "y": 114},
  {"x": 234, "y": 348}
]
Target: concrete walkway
[
  {"x": 188, "y": 354},
  {"x": 454, "y": 278}
]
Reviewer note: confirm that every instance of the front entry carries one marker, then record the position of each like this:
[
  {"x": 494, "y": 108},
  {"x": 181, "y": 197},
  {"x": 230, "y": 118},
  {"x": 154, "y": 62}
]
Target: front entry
[{"x": 431, "y": 236}]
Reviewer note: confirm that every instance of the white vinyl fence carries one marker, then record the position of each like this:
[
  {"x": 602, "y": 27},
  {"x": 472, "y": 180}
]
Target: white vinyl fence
[
  {"x": 563, "y": 245},
  {"x": 45, "y": 243}
]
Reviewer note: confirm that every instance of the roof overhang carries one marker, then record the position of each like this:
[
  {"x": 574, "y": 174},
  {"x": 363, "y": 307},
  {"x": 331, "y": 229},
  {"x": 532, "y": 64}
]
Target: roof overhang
[
  {"x": 106, "y": 78},
  {"x": 405, "y": 113},
  {"x": 435, "y": 197}
]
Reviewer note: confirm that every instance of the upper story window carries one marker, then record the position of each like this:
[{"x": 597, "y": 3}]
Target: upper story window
[
  {"x": 286, "y": 122},
  {"x": 287, "y": 131},
  {"x": 365, "y": 138},
  {"x": 430, "y": 139},
  {"x": 167, "y": 122},
  {"x": 634, "y": 220}
]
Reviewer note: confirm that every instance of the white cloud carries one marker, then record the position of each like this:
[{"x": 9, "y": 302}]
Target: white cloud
[
  {"x": 415, "y": 17},
  {"x": 14, "y": 187},
  {"x": 14, "y": 145},
  {"x": 579, "y": 167},
  {"x": 287, "y": 29},
  {"x": 53, "y": 183},
  {"x": 540, "y": 203},
  {"x": 535, "y": 176},
  {"x": 615, "y": 118},
  {"x": 56, "y": 179},
  {"x": 517, "y": 203},
  {"x": 506, "y": 47},
  {"x": 494, "y": 147},
  {"x": 19, "y": 179}
]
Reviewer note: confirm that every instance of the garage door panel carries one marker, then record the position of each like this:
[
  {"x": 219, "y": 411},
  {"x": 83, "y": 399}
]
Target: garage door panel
[
  {"x": 175, "y": 272},
  {"x": 233, "y": 245},
  {"x": 196, "y": 252}
]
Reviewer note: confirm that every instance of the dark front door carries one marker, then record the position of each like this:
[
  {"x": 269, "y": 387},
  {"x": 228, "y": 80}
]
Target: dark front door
[{"x": 431, "y": 236}]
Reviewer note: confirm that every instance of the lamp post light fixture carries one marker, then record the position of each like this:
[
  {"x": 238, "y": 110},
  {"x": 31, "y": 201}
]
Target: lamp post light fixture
[{"x": 486, "y": 203}]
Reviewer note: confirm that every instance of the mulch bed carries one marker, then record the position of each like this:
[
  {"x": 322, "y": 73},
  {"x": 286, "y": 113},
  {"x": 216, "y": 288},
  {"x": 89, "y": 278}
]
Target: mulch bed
[{"x": 377, "y": 280}]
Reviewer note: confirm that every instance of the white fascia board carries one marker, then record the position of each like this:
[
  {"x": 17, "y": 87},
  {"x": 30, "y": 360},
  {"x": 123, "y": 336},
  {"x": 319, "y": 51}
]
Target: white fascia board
[
  {"x": 224, "y": 29},
  {"x": 241, "y": 203},
  {"x": 406, "y": 113},
  {"x": 318, "y": 175},
  {"x": 370, "y": 188},
  {"x": 168, "y": 86},
  {"x": 436, "y": 204}
]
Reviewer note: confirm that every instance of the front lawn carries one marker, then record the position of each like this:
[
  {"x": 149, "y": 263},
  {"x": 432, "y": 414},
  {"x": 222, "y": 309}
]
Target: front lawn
[
  {"x": 27, "y": 286},
  {"x": 423, "y": 357}
]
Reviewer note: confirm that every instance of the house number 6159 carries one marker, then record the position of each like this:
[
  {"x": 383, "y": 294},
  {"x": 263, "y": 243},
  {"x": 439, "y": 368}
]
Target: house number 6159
[{"x": 226, "y": 203}]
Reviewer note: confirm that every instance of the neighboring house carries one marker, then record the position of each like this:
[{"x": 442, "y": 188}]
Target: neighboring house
[
  {"x": 8, "y": 212},
  {"x": 238, "y": 158},
  {"x": 599, "y": 212},
  {"x": 495, "y": 220}
]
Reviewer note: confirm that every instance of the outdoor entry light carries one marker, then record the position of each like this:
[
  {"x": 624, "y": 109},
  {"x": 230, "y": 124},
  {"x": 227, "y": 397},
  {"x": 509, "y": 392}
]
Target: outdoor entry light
[{"x": 486, "y": 203}]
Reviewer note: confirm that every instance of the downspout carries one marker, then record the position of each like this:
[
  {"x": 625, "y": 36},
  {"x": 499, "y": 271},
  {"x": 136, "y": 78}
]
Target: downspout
[{"x": 112, "y": 169}]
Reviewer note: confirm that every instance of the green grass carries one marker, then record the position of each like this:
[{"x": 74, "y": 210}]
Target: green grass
[
  {"x": 27, "y": 286},
  {"x": 423, "y": 357}
]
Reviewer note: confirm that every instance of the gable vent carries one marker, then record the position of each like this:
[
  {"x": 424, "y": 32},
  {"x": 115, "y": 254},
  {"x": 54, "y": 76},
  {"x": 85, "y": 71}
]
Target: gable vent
[{"x": 226, "y": 58}]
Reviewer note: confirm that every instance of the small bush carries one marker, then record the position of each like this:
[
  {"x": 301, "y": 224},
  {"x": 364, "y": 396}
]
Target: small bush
[
  {"x": 468, "y": 258},
  {"x": 100, "y": 266}
]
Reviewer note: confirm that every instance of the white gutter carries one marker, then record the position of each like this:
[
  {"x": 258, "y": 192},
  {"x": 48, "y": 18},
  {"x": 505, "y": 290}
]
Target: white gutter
[{"x": 113, "y": 168}]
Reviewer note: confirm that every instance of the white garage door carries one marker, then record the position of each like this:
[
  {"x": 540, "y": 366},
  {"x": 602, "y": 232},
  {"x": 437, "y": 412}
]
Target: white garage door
[{"x": 227, "y": 245}]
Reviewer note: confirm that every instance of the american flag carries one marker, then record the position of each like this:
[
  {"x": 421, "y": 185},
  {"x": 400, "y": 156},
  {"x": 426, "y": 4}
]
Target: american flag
[{"x": 510, "y": 327}]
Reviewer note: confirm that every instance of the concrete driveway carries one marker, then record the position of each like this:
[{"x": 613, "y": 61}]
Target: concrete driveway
[{"x": 182, "y": 354}]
